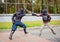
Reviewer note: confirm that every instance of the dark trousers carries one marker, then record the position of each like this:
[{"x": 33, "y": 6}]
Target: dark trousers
[{"x": 18, "y": 23}]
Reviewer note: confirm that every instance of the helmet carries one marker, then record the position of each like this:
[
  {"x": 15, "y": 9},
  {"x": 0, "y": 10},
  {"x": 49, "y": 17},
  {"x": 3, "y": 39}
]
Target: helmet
[{"x": 44, "y": 12}]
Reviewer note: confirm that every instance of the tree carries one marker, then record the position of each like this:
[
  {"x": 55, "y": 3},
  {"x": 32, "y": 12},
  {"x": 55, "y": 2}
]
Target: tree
[
  {"x": 56, "y": 5},
  {"x": 42, "y": 3},
  {"x": 1, "y": 9}
]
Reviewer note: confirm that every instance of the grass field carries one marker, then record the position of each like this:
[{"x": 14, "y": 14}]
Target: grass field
[{"x": 8, "y": 25}]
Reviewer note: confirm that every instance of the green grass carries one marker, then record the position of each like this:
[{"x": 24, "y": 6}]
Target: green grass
[
  {"x": 8, "y": 25},
  {"x": 55, "y": 22}
]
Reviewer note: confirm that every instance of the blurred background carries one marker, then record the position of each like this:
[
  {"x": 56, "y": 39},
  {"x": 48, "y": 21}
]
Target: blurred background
[{"x": 11, "y": 6}]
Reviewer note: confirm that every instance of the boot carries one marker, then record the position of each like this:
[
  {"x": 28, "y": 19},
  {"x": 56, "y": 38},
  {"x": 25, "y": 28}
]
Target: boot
[
  {"x": 53, "y": 32},
  {"x": 25, "y": 31},
  {"x": 11, "y": 34}
]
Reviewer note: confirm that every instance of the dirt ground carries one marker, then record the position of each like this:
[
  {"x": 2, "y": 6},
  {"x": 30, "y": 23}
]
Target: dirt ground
[{"x": 32, "y": 36}]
